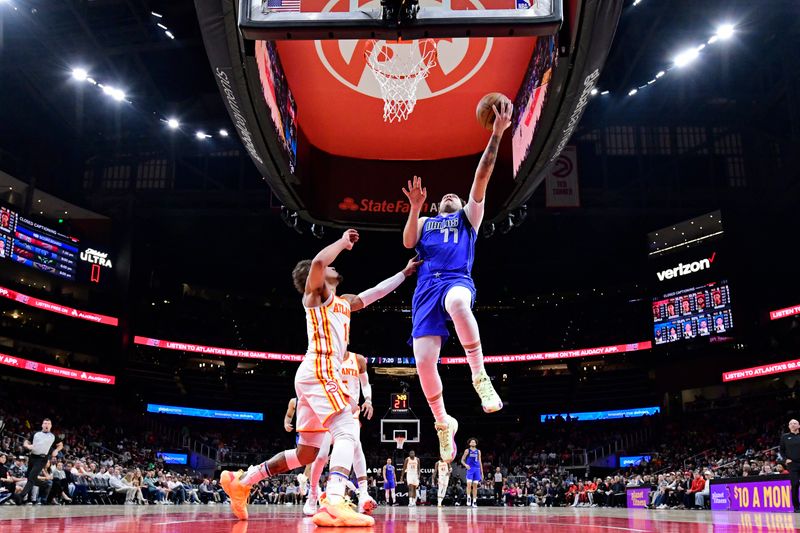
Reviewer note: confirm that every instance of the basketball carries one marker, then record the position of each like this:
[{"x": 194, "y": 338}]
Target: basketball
[{"x": 484, "y": 112}]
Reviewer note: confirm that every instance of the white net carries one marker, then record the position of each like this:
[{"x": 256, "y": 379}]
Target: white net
[{"x": 399, "y": 67}]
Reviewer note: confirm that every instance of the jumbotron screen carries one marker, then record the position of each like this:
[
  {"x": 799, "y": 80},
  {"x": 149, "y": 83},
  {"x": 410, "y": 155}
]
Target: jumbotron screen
[
  {"x": 691, "y": 313},
  {"x": 37, "y": 246}
]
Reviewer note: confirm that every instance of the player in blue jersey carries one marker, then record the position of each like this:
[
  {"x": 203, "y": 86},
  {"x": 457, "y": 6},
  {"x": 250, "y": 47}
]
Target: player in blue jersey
[
  {"x": 445, "y": 290},
  {"x": 389, "y": 482},
  {"x": 474, "y": 465}
]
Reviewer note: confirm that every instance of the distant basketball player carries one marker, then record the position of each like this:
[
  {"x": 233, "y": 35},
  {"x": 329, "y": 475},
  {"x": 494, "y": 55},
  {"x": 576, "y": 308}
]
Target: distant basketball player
[
  {"x": 443, "y": 470},
  {"x": 411, "y": 476},
  {"x": 322, "y": 398},
  {"x": 291, "y": 410},
  {"x": 472, "y": 462},
  {"x": 354, "y": 374},
  {"x": 445, "y": 290},
  {"x": 389, "y": 482}
]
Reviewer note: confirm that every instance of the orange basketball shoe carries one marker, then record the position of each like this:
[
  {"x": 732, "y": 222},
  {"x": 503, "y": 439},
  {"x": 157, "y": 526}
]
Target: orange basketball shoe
[
  {"x": 237, "y": 491},
  {"x": 340, "y": 515}
]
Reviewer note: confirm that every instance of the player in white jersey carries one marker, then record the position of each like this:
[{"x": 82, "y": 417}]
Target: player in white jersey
[
  {"x": 354, "y": 374},
  {"x": 322, "y": 398},
  {"x": 443, "y": 470},
  {"x": 411, "y": 476}
]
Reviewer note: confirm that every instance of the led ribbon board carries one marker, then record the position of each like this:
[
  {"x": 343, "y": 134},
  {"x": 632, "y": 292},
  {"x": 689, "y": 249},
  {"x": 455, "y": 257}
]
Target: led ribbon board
[
  {"x": 607, "y": 415},
  {"x": 203, "y": 413},
  {"x": 58, "y": 371}
]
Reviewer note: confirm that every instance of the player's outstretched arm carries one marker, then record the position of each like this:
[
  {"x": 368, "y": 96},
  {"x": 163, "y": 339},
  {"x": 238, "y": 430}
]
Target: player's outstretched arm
[
  {"x": 315, "y": 282},
  {"x": 369, "y": 296},
  {"x": 416, "y": 195},
  {"x": 502, "y": 120}
]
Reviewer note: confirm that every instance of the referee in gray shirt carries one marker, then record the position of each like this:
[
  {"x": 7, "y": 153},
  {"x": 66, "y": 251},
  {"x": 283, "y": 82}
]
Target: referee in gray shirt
[{"x": 45, "y": 445}]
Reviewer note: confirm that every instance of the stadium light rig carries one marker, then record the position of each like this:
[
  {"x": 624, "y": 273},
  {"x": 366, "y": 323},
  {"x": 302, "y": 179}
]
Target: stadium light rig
[
  {"x": 688, "y": 56},
  {"x": 173, "y": 123}
]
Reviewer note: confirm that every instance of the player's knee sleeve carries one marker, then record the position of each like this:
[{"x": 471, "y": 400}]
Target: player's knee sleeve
[
  {"x": 292, "y": 461},
  {"x": 342, "y": 427}
]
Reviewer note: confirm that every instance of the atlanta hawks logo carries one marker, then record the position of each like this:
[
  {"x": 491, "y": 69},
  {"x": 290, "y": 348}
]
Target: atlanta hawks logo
[
  {"x": 331, "y": 386},
  {"x": 457, "y": 60}
]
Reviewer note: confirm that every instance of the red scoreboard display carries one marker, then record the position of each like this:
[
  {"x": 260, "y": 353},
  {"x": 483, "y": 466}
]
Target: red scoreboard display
[{"x": 399, "y": 401}]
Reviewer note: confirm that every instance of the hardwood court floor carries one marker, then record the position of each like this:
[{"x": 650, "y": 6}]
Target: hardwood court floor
[{"x": 286, "y": 519}]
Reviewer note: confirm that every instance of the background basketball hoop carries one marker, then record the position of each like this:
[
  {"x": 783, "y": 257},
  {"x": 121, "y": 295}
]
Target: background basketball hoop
[
  {"x": 399, "y": 67},
  {"x": 400, "y": 441}
]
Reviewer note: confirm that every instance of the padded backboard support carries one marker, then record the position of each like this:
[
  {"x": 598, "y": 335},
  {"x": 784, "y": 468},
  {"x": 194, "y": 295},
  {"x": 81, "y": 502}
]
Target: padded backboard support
[{"x": 258, "y": 23}]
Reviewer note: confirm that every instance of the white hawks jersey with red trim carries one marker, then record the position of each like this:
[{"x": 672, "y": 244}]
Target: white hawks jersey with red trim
[{"x": 328, "y": 328}]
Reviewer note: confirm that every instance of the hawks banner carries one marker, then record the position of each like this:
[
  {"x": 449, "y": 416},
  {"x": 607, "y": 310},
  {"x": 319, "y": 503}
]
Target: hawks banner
[{"x": 562, "y": 180}]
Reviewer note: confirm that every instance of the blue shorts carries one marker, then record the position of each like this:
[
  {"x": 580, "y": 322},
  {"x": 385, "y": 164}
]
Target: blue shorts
[
  {"x": 474, "y": 474},
  {"x": 389, "y": 485},
  {"x": 428, "y": 315}
]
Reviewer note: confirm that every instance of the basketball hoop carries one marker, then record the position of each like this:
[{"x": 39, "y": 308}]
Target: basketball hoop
[
  {"x": 400, "y": 441},
  {"x": 399, "y": 66}
]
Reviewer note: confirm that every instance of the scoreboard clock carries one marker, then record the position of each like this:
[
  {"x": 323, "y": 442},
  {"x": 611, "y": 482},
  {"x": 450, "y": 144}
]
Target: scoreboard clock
[{"x": 399, "y": 402}]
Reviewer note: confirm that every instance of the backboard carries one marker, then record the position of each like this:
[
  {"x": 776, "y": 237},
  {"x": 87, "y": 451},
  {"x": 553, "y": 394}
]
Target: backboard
[
  {"x": 391, "y": 428},
  {"x": 364, "y": 19}
]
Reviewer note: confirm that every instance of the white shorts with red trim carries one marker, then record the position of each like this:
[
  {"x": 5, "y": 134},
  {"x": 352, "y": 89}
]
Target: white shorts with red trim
[{"x": 321, "y": 393}]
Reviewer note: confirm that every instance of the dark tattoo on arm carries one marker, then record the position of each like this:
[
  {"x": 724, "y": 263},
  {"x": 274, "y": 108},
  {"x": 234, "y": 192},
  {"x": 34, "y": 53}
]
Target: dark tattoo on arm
[{"x": 489, "y": 155}]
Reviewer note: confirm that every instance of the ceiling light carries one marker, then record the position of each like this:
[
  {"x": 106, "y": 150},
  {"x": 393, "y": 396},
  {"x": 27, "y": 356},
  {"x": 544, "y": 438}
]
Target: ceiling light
[
  {"x": 80, "y": 74},
  {"x": 725, "y": 31},
  {"x": 169, "y": 34},
  {"x": 223, "y": 133},
  {"x": 633, "y": 91},
  {"x": 686, "y": 57},
  {"x": 594, "y": 91},
  {"x": 201, "y": 135},
  {"x": 173, "y": 123}
]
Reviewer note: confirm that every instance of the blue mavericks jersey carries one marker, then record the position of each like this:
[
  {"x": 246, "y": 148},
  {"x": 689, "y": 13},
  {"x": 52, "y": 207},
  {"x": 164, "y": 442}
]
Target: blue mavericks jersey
[
  {"x": 447, "y": 246},
  {"x": 390, "y": 473},
  {"x": 472, "y": 459}
]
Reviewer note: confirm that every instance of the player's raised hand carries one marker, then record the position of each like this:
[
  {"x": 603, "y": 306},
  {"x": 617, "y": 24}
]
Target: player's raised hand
[
  {"x": 412, "y": 265},
  {"x": 502, "y": 117},
  {"x": 416, "y": 193},
  {"x": 349, "y": 238}
]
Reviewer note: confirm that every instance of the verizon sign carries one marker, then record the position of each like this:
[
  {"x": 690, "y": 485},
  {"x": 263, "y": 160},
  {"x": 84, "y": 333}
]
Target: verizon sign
[{"x": 686, "y": 269}]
